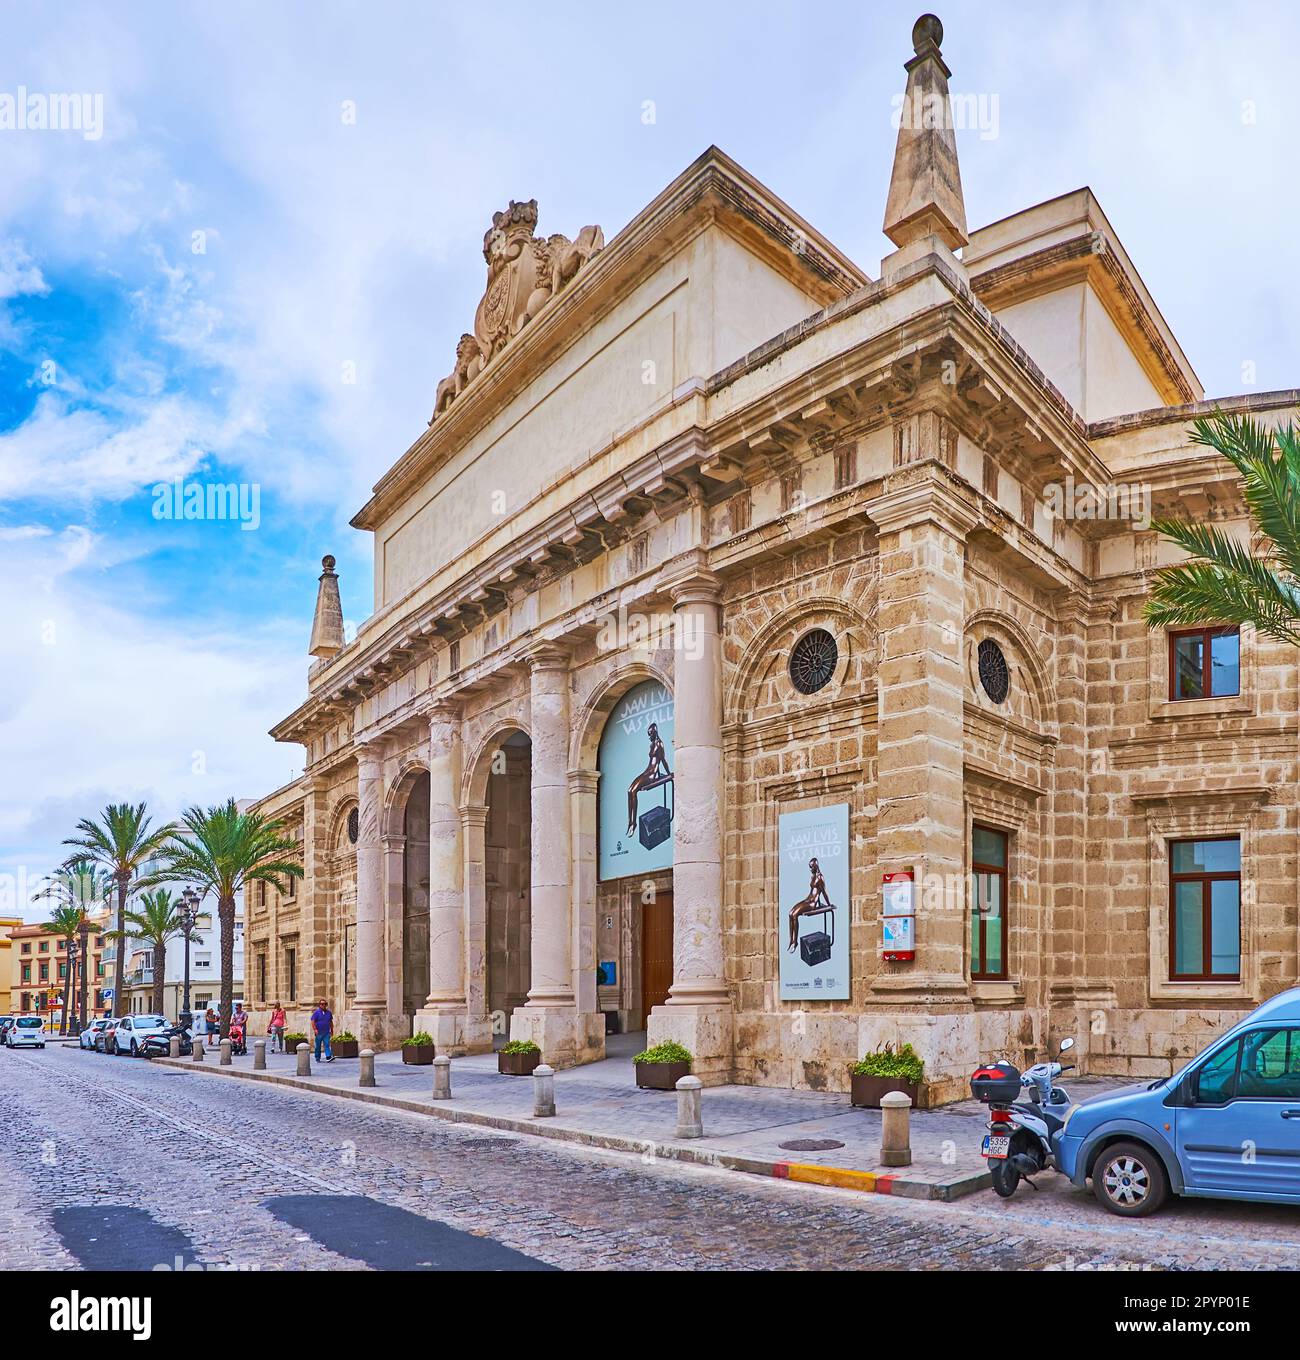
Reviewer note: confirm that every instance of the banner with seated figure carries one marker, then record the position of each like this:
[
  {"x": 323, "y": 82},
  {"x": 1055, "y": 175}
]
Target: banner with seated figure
[
  {"x": 637, "y": 797},
  {"x": 813, "y": 883}
]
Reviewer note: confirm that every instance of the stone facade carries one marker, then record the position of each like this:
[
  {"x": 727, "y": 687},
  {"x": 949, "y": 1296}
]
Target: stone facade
[{"x": 690, "y": 448}]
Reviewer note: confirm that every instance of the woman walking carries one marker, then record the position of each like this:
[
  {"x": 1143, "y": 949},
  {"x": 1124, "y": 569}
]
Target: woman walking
[{"x": 276, "y": 1028}]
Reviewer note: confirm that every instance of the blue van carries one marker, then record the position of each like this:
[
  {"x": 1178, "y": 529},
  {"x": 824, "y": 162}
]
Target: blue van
[{"x": 1227, "y": 1126}]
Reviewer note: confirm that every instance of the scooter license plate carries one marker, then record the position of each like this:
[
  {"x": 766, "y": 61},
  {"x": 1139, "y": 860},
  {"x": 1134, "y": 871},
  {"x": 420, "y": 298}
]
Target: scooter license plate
[{"x": 997, "y": 1145}]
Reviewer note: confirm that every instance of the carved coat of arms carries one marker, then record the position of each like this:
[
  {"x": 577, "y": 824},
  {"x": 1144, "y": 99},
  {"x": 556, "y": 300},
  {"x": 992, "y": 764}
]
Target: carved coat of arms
[{"x": 524, "y": 273}]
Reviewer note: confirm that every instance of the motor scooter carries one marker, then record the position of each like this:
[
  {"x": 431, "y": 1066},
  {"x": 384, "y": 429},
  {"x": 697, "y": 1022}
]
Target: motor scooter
[
  {"x": 1019, "y": 1143},
  {"x": 159, "y": 1045}
]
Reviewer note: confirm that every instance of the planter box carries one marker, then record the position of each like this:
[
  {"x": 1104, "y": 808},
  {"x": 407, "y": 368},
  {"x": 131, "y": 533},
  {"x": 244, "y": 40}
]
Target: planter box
[
  {"x": 419, "y": 1054},
  {"x": 518, "y": 1064},
  {"x": 661, "y": 1076},
  {"x": 868, "y": 1090},
  {"x": 346, "y": 1048}
]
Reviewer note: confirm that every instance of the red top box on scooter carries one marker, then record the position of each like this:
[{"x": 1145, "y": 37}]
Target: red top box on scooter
[{"x": 996, "y": 1083}]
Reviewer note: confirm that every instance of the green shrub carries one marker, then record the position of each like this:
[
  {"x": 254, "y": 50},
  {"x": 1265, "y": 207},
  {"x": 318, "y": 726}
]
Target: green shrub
[
  {"x": 669, "y": 1052},
  {"x": 291, "y": 1041},
  {"x": 421, "y": 1040},
  {"x": 345, "y": 1036},
  {"x": 520, "y": 1046},
  {"x": 903, "y": 1065}
]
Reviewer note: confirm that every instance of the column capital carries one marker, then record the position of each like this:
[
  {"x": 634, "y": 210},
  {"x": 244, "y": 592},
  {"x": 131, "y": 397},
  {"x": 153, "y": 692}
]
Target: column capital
[
  {"x": 443, "y": 710},
  {"x": 922, "y": 500},
  {"x": 583, "y": 781},
  {"x": 698, "y": 586},
  {"x": 548, "y": 656},
  {"x": 369, "y": 754},
  {"x": 473, "y": 815}
]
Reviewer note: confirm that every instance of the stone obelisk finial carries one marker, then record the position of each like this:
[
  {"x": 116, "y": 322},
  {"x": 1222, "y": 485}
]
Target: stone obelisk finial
[
  {"x": 327, "y": 626},
  {"x": 925, "y": 199}
]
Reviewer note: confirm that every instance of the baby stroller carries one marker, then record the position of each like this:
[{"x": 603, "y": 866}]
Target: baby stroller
[{"x": 237, "y": 1045}]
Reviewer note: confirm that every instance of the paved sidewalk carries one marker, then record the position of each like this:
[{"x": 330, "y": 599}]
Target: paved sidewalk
[{"x": 744, "y": 1126}]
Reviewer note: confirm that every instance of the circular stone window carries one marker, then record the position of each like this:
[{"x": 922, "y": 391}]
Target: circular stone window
[
  {"x": 812, "y": 661},
  {"x": 994, "y": 675},
  {"x": 354, "y": 825}
]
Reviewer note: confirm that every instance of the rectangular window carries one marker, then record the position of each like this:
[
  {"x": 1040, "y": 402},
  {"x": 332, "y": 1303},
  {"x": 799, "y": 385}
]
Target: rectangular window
[
  {"x": 45, "y": 972},
  {"x": 1205, "y": 909},
  {"x": 1204, "y": 663},
  {"x": 27, "y": 946},
  {"x": 988, "y": 904},
  {"x": 291, "y": 969},
  {"x": 44, "y": 946},
  {"x": 27, "y": 972},
  {"x": 261, "y": 978}
]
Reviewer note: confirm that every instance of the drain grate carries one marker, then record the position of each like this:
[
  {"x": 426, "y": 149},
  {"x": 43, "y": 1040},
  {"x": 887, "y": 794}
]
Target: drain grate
[
  {"x": 811, "y": 1145},
  {"x": 488, "y": 1144}
]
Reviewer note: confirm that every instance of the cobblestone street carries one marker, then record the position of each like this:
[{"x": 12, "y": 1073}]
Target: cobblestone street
[{"x": 121, "y": 1163}]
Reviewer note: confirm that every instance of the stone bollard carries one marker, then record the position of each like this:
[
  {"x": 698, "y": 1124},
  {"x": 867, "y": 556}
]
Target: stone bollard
[
  {"x": 259, "y": 1055},
  {"x": 367, "y": 1077},
  {"x": 442, "y": 1077},
  {"x": 197, "y": 1051},
  {"x": 895, "y": 1132},
  {"x": 543, "y": 1092},
  {"x": 174, "y": 1046},
  {"x": 304, "y": 1061},
  {"x": 690, "y": 1108},
  {"x": 225, "y": 1053}
]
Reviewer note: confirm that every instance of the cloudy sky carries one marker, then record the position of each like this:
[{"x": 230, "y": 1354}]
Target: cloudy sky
[{"x": 287, "y": 196}]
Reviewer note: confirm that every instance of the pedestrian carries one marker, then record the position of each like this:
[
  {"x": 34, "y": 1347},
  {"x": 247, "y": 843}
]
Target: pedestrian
[
  {"x": 322, "y": 1026},
  {"x": 210, "y": 1023},
  {"x": 240, "y": 1017},
  {"x": 276, "y": 1028}
]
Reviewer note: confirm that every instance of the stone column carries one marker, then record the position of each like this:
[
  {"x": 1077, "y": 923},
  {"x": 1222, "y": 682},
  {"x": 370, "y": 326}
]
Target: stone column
[
  {"x": 445, "y": 1013},
  {"x": 550, "y": 1018},
  {"x": 371, "y": 1001},
  {"x": 698, "y": 1012}
]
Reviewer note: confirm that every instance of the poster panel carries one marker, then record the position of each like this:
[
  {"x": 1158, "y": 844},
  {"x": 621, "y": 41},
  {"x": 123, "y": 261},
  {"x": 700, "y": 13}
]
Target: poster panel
[
  {"x": 637, "y": 797},
  {"x": 813, "y": 883}
]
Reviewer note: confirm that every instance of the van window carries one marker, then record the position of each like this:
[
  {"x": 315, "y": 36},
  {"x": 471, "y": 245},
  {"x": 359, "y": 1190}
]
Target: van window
[
  {"x": 1216, "y": 1082},
  {"x": 30, "y": 1022}
]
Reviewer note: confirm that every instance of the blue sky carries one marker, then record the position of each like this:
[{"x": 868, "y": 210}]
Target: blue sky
[{"x": 145, "y": 658}]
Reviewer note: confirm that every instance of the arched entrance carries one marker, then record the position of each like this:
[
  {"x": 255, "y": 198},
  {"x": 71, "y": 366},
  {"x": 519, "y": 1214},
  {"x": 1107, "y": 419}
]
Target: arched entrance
[
  {"x": 507, "y": 880},
  {"x": 415, "y": 897}
]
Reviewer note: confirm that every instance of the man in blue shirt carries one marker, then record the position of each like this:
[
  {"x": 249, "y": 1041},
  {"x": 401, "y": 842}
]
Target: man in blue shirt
[{"x": 322, "y": 1026}]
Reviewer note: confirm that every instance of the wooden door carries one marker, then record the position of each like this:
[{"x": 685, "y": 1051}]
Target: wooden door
[{"x": 656, "y": 951}]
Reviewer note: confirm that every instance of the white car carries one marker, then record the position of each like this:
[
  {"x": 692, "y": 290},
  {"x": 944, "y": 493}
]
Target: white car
[
  {"x": 132, "y": 1030},
  {"x": 96, "y": 1028},
  {"x": 28, "y": 1031}
]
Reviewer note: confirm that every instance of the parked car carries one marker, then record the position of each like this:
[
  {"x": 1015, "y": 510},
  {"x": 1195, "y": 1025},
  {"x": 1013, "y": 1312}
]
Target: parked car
[
  {"x": 27, "y": 1031},
  {"x": 5, "y": 1022},
  {"x": 132, "y": 1030},
  {"x": 103, "y": 1040},
  {"x": 92, "y": 1032},
  {"x": 1227, "y": 1126}
]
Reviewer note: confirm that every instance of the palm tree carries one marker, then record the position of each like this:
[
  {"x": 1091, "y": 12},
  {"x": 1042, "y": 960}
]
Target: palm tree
[
  {"x": 120, "y": 843},
  {"x": 66, "y": 922},
  {"x": 79, "y": 887},
  {"x": 155, "y": 921},
  {"x": 1224, "y": 582},
  {"x": 221, "y": 849}
]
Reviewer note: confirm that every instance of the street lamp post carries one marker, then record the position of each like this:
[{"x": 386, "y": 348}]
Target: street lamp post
[
  {"x": 189, "y": 910},
  {"x": 69, "y": 989}
]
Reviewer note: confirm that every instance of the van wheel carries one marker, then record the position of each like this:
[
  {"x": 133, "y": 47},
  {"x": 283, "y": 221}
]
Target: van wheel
[{"x": 1130, "y": 1180}]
